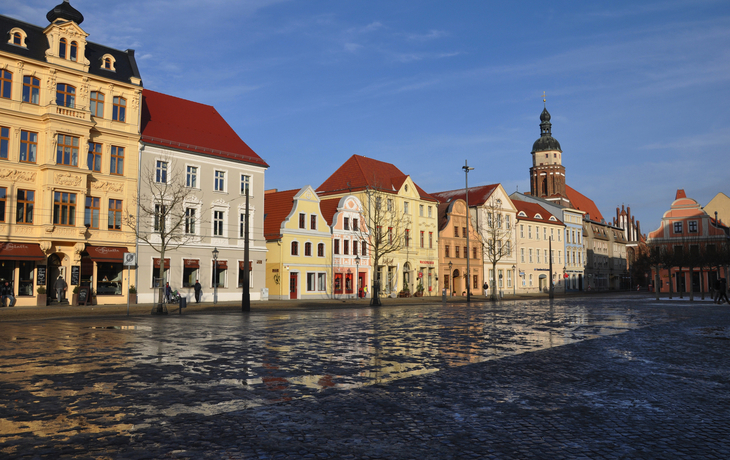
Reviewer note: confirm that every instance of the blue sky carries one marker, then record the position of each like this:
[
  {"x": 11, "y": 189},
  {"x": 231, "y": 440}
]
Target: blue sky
[{"x": 638, "y": 91}]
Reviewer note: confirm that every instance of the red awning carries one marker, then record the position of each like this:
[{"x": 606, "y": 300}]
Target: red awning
[
  {"x": 106, "y": 253},
  {"x": 241, "y": 265},
  {"x": 21, "y": 251},
  {"x": 156, "y": 263},
  {"x": 222, "y": 265},
  {"x": 191, "y": 263}
]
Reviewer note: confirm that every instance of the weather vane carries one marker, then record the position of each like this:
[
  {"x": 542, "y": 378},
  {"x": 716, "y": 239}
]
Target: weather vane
[{"x": 543, "y": 97}]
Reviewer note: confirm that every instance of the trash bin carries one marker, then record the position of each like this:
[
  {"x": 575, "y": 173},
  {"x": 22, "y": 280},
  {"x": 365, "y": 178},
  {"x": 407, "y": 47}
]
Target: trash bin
[{"x": 183, "y": 302}]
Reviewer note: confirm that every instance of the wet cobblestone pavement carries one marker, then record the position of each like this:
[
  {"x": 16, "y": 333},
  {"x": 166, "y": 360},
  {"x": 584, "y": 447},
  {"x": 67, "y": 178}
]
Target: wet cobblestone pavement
[{"x": 622, "y": 377}]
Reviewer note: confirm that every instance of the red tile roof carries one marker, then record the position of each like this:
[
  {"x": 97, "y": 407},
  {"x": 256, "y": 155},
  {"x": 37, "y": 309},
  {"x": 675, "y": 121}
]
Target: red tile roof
[
  {"x": 169, "y": 121},
  {"x": 359, "y": 173},
  {"x": 477, "y": 195},
  {"x": 531, "y": 209},
  {"x": 329, "y": 208},
  {"x": 277, "y": 206},
  {"x": 583, "y": 203}
]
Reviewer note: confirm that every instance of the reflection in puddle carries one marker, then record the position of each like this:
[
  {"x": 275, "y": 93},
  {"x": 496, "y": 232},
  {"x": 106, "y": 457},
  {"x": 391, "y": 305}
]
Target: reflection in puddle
[{"x": 78, "y": 375}]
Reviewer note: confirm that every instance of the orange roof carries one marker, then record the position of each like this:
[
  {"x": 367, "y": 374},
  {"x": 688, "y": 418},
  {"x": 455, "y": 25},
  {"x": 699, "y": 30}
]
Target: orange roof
[
  {"x": 329, "y": 208},
  {"x": 477, "y": 195},
  {"x": 532, "y": 209},
  {"x": 583, "y": 203},
  {"x": 277, "y": 206},
  {"x": 169, "y": 121},
  {"x": 359, "y": 173}
]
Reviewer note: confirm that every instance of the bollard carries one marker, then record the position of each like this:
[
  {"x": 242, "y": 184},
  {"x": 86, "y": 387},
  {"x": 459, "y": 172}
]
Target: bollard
[
  {"x": 443, "y": 295},
  {"x": 183, "y": 303}
]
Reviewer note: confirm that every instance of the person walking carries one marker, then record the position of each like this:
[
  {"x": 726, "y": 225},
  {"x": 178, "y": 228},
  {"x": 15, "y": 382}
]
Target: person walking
[
  {"x": 6, "y": 292},
  {"x": 723, "y": 291},
  {"x": 60, "y": 287},
  {"x": 168, "y": 292},
  {"x": 198, "y": 289}
]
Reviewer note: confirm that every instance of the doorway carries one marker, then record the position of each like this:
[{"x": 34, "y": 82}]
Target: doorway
[
  {"x": 293, "y": 284},
  {"x": 55, "y": 269}
]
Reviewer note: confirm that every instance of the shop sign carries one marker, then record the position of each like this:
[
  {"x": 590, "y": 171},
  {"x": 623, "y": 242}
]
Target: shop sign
[
  {"x": 75, "y": 275},
  {"x": 41, "y": 278}
]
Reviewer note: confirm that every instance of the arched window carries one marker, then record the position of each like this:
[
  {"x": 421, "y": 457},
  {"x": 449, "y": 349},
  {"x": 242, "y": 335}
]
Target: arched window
[
  {"x": 62, "y": 48},
  {"x": 119, "y": 112},
  {"x": 108, "y": 63},
  {"x": 97, "y": 104},
  {"x": 308, "y": 249},
  {"x": 73, "y": 50},
  {"x": 17, "y": 39},
  {"x": 6, "y": 84},
  {"x": 320, "y": 250},
  {"x": 294, "y": 248},
  {"x": 65, "y": 95}
]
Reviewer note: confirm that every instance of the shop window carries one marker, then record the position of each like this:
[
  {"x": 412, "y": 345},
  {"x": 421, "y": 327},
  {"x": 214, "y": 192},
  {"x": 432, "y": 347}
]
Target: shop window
[
  {"x": 349, "y": 285},
  {"x": 311, "y": 282},
  {"x": 67, "y": 150},
  {"x": 109, "y": 278},
  {"x": 241, "y": 274},
  {"x": 94, "y": 158},
  {"x": 338, "y": 283},
  {"x": 219, "y": 275},
  {"x": 25, "y": 278},
  {"x": 190, "y": 275},
  {"x": 31, "y": 90}
]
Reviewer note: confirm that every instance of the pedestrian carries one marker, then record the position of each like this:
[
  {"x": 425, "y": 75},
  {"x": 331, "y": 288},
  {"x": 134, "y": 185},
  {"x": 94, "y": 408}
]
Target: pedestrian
[
  {"x": 723, "y": 291},
  {"x": 60, "y": 287},
  {"x": 168, "y": 292},
  {"x": 6, "y": 291},
  {"x": 364, "y": 291},
  {"x": 716, "y": 290},
  {"x": 486, "y": 288},
  {"x": 198, "y": 289}
]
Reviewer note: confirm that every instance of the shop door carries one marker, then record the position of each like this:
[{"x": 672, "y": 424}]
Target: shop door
[
  {"x": 360, "y": 284},
  {"x": 293, "y": 282}
]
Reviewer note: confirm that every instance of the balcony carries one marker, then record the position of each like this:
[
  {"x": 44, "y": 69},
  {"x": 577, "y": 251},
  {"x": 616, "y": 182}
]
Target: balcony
[{"x": 72, "y": 111}]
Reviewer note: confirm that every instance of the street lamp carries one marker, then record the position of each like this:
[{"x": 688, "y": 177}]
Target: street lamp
[
  {"x": 466, "y": 169},
  {"x": 451, "y": 279},
  {"x": 514, "y": 281},
  {"x": 215, "y": 275},
  {"x": 357, "y": 276}
]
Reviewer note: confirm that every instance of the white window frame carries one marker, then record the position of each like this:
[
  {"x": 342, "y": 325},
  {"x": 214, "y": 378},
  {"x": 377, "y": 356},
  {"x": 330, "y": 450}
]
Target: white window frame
[
  {"x": 196, "y": 176},
  {"x": 248, "y": 184},
  {"x": 161, "y": 171},
  {"x": 216, "y": 179},
  {"x": 223, "y": 220}
]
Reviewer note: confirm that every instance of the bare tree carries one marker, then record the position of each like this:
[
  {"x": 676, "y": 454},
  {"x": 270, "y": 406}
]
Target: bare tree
[
  {"x": 164, "y": 221},
  {"x": 497, "y": 237},
  {"x": 385, "y": 230}
]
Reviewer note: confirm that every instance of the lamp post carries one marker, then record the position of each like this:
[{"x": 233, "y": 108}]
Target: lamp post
[
  {"x": 514, "y": 281},
  {"x": 215, "y": 275},
  {"x": 466, "y": 169},
  {"x": 451, "y": 279},
  {"x": 357, "y": 276}
]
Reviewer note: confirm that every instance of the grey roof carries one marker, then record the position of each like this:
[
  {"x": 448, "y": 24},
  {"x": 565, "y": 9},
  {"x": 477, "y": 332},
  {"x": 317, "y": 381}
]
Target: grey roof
[
  {"x": 546, "y": 140},
  {"x": 37, "y": 44}
]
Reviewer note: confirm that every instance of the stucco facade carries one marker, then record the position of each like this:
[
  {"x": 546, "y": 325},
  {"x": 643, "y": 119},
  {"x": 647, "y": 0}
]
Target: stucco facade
[
  {"x": 453, "y": 252},
  {"x": 69, "y": 129}
]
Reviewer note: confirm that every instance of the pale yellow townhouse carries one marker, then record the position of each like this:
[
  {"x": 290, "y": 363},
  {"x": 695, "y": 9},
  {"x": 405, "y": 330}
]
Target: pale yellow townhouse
[
  {"x": 408, "y": 224},
  {"x": 299, "y": 245},
  {"x": 69, "y": 134}
]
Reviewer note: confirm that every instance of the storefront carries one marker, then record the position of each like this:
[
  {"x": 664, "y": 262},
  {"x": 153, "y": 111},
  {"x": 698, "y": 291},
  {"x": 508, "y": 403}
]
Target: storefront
[
  {"x": 103, "y": 271},
  {"x": 23, "y": 265}
]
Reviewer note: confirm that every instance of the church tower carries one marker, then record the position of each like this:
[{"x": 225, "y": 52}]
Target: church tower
[{"x": 547, "y": 174}]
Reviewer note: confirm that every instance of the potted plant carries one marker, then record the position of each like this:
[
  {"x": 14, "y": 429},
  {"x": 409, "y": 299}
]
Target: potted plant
[
  {"x": 42, "y": 297},
  {"x": 419, "y": 290},
  {"x": 75, "y": 296},
  {"x": 405, "y": 292},
  {"x": 133, "y": 295}
]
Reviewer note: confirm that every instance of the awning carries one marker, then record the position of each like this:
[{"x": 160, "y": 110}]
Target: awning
[
  {"x": 241, "y": 265},
  {"x": 191, "y": 263},
  {"x": 156, "y": 263},
  {"x": 106, "y": 253},
  {"x": 21, "y": 251},
  {"x": 222, "y": 265}
]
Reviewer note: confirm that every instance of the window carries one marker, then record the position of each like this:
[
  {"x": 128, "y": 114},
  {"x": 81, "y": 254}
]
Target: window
[
  {"x": 423, "y": 238},
  {"x": 405, "y": 208},
  {"x": 446, "y": 251},
  {"x": 473, "y": 253},
  {"x": 456, "y": 251},
  {"x": 117, "y": 161},
  {"x": 390, "y": 204},
  {"x": 322, "y": 281},
  {"x": 160, "y": 217},
  {"x": 219, "y": 274},
  {"x": 3, "y": 200},
  {"x": 313, "y": 222},
  {"x": 678, "y": 227},
  {"x": 4, "y": 142},
  {"x": 531, "y": 255},
  {"x": 67, "y": 150},
  {"x": 94, "y": 157},
  {"x": 429, "y": 212},
  {"x": 107, "y": 63},
  {"x": 28, "y": 146},
  {"x": 161, "y": 172},
  {"x": 355, "y": 224},
  {"x": 191, "y": 177},
  {"x": 311, "y": 281},
  {"x": 24, "y": 214},
  {"x": 115, "y": 215},
  {"x": 537, "y": 233},
  {"x": 529, "y": 231},
  {"x": 64, "y": 208},
  {"x": 92, "y": 212},
  {"x": 420, "y": 210},
  {"x": 559, "y": 258},
  {"x": 245, "y": 184},
  {"x": 408, "y": 237},
  {"x": 522, "y": 231},
  {"x": 346, "y": 223},
  {"x": 500, "y": 277},
  {"x": 544, "y": 251},
  {"x": 62, "y": 48},
  {"x": 6, "y": 84},
  {"x": 31, "y": 89},
  {"x": 97, "y": 104},
  {"x": 456, "y": 232},
  {"x": 302, "y": 220},
  {"x": 308, "y": 249},
  {"x": 220, "y": 181},
  {"x": 242, "y": 225},
  {"x": 354, "y": 248},
  {"x": 507, "y": 248},
  {"x": 218, "y": 223},
  {"x": 320, "y": 250},
  {"x": 475, "y": 283},
  {"x": 522, "y": 255},
  {"x": 507, "y": 221},
  {"x": 509, "y": 278},
  {"x": 119, "y": 108},
  {"x": 538, "y": 256},
  {"x": 65, "y": 95},
  {"x": 294, "y": 248},
  {"x": 363, "y": 249},
  {"x": 346, "y": 247},
  {"x": 189, "y": 221},
  {"x": 390, "y": 235},
  {"x": 544, "y": 233},
  {"x": 337, "y": 246},
  {"x": 73, "y": 51},
  {"x": 430, "y": 240},
  {"x": 692, "y": 226},
  {"x": 17, "y": 39}
]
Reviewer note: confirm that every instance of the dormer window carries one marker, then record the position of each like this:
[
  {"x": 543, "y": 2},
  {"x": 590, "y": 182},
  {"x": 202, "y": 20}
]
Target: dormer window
[
  {"x": 17, "y": 37},
  {"x": 108, "y": 62},
  {"x": 73, "y": 51},
  {"x": 62, "y": 48}
]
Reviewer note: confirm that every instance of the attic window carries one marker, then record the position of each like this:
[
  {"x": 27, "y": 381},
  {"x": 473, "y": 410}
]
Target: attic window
[
  {"x": 17, "y": 37},
  {"x": 553, "y": 218},
  {"x": 522, "y": 214},
  {"x": 108, "y": 62},
  {"x": 538, "y": 216},
  {"x": 406, "y": 187}
]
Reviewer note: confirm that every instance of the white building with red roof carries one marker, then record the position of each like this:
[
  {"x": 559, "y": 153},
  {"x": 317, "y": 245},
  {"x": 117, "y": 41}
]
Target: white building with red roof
[{"x": 188, "y": 144}]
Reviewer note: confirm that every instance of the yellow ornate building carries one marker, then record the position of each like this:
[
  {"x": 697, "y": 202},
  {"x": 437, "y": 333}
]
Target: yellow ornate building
[{"x": 69, "y": 139}]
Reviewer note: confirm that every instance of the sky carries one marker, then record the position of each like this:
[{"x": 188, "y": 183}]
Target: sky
[{"x": 638, "y": 91}]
